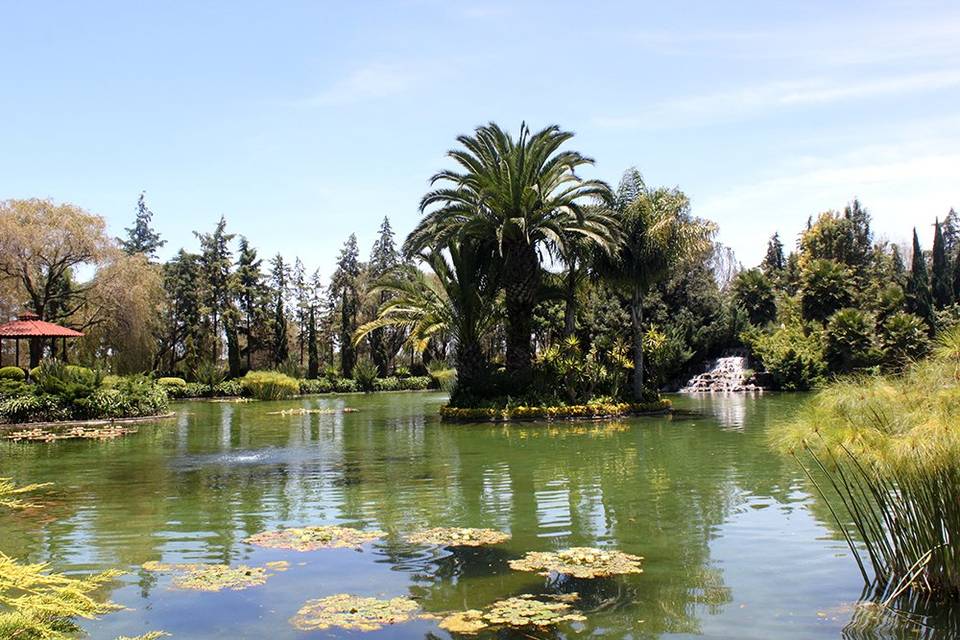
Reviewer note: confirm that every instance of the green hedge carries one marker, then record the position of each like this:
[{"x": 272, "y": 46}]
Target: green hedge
[{"x": 12, "y": 373}]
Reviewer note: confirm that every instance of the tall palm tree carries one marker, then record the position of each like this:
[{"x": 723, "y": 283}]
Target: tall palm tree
[
  {"x": 519, "y": 198},
  {"x": 456, "y": 300},
  {"x": 658, "y": 235}
]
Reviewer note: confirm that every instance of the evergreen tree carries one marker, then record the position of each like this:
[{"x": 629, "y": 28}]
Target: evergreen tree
[
  {"x": 861, "y": 236},
  {"x": 251, "y": 295},
  {"x": 280, "y": 276},
  {"x": 919, "y": 300},
  {"x": 216, "y": 261},
  {"x": 383, "y": 259},
  {"x": 941, "y": 278},
  {"x": 180, "y": 338},
  {"x": 896, "y": 265},
  {"x": 141, "y": 237},
  {"x": 951, "y": 234},
  {"x": 343, "y": 291},
  {"x": 313, "y": 355},
  {"x": 301, "y": 296},
  {"x": 774, "y": 263}
]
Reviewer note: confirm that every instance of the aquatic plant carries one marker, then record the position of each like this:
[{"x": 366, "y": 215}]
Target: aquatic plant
[
  {"x": 458, "y": 537},
  {"x": 593, "y": 410},
  {"x": 886, "y": 451},
  {"x": 353, "y": 612},
  {"x": 313, "y": 538},
  {"x": 303, "y": 411},
  {"x": 517, "y": 612},
  {"x": 210, "y": 577},
  {"x": 45, "y": 434},
  {"x": 9, "y": 492},
  {"x": 269, "y": 385},
  {"x": 579, "y": 562}
]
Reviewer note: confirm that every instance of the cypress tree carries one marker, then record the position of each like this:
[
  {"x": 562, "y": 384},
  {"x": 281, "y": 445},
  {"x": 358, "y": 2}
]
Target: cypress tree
[
  {"x": 343, "y": 290},
  {"x": 941, "y": 281},
  {"x": 252, "y": 295},
  {"x": 281, "y": 348},
  {"x": 216, "y": 261},
  {"x": 383, "y": 258},
  {"x": 919, "y": 300}
]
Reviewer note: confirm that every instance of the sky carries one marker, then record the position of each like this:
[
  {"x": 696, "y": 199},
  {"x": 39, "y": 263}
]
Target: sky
[{"x": 302, "y": 122}]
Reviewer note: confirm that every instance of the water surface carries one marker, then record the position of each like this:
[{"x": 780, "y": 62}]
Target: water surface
[{"x": 735, "y": 544}]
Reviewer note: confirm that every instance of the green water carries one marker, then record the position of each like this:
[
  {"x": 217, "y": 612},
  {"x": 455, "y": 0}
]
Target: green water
[{"x": 735, "y": 546}]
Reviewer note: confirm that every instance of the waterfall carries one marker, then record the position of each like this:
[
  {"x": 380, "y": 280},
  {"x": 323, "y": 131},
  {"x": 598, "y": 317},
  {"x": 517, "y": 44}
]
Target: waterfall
[{"x": 724, "y": 375}]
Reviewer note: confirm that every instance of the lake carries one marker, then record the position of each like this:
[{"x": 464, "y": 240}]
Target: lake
[{"x": 735, "y": 543}]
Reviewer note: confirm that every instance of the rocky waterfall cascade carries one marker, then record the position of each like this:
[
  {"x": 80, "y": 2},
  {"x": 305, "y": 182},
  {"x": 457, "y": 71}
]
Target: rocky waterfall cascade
[{"x": 728, "y": 374}]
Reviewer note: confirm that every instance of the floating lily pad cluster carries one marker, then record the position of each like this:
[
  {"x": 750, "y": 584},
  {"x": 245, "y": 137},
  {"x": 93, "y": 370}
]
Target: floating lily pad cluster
[
  {"x": 518, "y": 612},
  {"x": 40, "y": 434},
  {"x": 211, "y": 577},
  {"x": 313, "y": 538},
  {"x": 353, "y": 612},
  {"x": 579, "y": 562},
  {"x": 458, "y": 537}
]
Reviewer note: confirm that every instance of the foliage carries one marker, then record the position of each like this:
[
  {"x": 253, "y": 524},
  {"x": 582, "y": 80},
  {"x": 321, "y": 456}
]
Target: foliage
[
  {"x": 269, "y": 385},
  {"x": 753, "y": 291},
  {"x": 919, "y": 299},
  {"x": 793, "y": 356},
  {"x": 12, "y": 373},
  {"x": 824, "y": 289},
  {"x": 9, "y": 492},
  {"x": 141, "y": 237},
  {"x": 443, "y": 376},
  {"x": 313, "y": 538},
  {"x": 365, "y": 375},
  {"x": 211, "y": 577},
  {"x": 890, "y": 452},
  {"x": 519, "y": 612},
  {"x": 579, "y": 562},
  {"x": 848, "y": 341},
  {"x": 666, "y": 353},
  {"x": 903, "y": 339},
  {"x": 172, "y": 383},
  {"x": 574, "y": 375}
]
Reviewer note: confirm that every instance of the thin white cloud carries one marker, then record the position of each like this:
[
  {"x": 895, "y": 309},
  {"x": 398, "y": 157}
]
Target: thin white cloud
[
  {"x": 749, "y": 101},
  {"x": 371, "y": 82}
]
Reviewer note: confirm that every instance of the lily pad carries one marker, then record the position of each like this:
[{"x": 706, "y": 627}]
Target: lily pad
[
  {"x": 304, "y": 411},
  {"x": 313, "y": 538},
  {"x": 579, "y": 562},
  {"x": 517, "y": 612},
  {"x": 211, "y": 577},
  {"x": 458, "y": 537},
  {"x": 353, "y": 612}
]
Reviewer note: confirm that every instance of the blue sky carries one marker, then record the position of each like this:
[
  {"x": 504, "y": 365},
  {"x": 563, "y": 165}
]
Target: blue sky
[{"x": 304, "y": 121}]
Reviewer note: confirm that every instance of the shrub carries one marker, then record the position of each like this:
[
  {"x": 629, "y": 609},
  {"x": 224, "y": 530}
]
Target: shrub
[
  {"x": 793, "y": 358},
  {"x": 345, "y": 385},
  {"x": 12, "y": 373},
  {"x": 753, "y": 291},
  {"x": 228, "y": 388},
  {"x": 167, "y": 383},
  {"x": 365, "y": 374},
  {"x": 416, "y": 383},
  {"x": 320, "y": 385},
  {"x": 391, "y": 383},
  {"x": 402, "y": 371},
  {"x": 848, "y": 342},
  {"x": 588, "y": 411},
  {"x": 903, "y": 339},
  {"x": 269, "y": 385},
  {"x": 11, "y": 388},
  {"x": 34, "y": 408},
  {"x": 825, "y": 289},
  {"x": 443, "y": 376}
]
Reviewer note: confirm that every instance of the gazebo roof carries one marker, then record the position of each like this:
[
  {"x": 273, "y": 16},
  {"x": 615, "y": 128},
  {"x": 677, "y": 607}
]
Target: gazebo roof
[{"x": 29, "y": 325}]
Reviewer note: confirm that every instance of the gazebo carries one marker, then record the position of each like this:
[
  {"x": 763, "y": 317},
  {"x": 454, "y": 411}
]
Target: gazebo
[{"x": 29, "y": 326}]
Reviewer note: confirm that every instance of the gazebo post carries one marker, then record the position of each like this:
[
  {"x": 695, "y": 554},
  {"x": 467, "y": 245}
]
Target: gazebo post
[
  {"x": 17, "y": 341},
  {"x": 63, "y": 347}
]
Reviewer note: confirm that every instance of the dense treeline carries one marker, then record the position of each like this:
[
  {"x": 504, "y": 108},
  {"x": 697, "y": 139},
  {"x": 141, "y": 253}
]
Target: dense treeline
[{"x": 533, "y": 282}]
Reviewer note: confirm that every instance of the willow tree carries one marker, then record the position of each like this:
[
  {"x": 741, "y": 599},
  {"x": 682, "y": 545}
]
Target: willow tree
[
  {"x": 518, "y": 198},
  {"x": 658, "y": 235},
  {"x": 457, "y": 299}
]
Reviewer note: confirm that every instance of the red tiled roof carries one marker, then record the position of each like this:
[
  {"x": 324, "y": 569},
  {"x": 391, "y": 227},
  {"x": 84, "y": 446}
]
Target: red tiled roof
[{"x": 29, "y": 325}]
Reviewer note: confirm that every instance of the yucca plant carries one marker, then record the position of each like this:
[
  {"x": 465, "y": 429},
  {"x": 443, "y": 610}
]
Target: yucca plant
[{"x": 887, "y": 452}]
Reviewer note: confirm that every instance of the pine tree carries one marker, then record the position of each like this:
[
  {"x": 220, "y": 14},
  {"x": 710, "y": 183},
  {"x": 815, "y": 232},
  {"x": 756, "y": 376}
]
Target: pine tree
[
  {"x": 774, "y": 263},
  {"x": 315, "y": 309},
  {"x": 216, "y": 261},
  {"x": 181, "y": 333},
  {"x": 383, "y": 258},
  {"x": 951, "y": 234},
  {"x": 141, "y": 238},
  {"x": 896, "y": 265},
  {"x": 941, "y": 278},
  {"x": 280, "y": 277},
  {"x": 301, "y": 299},
  {"x": 251, "y": 294},
  {"x": 343, "y": 291},
  {"x": 919, "y": 301}
]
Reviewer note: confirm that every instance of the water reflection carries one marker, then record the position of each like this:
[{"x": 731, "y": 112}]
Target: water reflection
[{"x": 668, "y": 489}]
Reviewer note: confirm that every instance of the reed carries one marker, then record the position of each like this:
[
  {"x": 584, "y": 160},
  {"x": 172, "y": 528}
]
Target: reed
[{"x": 886, "y": 451}]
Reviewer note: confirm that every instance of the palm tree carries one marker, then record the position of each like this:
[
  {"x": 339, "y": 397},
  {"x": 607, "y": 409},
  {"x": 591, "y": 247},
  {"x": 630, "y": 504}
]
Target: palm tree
[
  {"x": 456, "y": 300},
  {"x": 658, "y": 234},
  {"x": 517, "y": 198}
]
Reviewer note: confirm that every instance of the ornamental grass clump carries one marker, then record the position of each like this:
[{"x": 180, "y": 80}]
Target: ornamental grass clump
[
  {"x": 269, "y": 385},
  {"x": 886, "y": 451}
]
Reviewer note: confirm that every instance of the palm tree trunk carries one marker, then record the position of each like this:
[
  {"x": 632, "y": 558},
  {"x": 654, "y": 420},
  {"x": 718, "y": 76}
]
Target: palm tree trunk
[
  {"x": 520, "y": 295},
  {"x": 636, "y": 317},
  {"x": 471, "y": 363}
]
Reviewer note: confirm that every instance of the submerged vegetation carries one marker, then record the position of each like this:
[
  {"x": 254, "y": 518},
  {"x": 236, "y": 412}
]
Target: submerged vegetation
[{"x": 888, "y": 449}]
